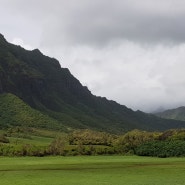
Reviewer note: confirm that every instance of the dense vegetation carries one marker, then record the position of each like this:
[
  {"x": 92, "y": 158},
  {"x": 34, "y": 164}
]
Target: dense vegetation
[
  {"x": 17, "y": 141},
  {"x": 162, "y": 149},
  {"x": 14, "y": 112},
  {"x": 41, "y": 83}
]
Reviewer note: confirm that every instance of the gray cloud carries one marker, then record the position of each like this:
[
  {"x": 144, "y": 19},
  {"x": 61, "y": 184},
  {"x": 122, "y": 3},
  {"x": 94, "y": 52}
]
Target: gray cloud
[
  {"x": 127, "y": 50},
  {"x": 101, "y": 22}
]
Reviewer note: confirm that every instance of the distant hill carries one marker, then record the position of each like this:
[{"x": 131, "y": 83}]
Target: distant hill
[
  {"x": 175, "y": 114},
  {"x": 40, "y": 82}
]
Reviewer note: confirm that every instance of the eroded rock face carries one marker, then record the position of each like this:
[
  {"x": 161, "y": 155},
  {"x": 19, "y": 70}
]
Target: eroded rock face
[
  {"x": 37, "y": 78},
  {"x": 3, "y": 82}
]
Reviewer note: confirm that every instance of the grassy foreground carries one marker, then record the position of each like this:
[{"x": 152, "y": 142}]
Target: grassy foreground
[{"x": 93, "y": 170}]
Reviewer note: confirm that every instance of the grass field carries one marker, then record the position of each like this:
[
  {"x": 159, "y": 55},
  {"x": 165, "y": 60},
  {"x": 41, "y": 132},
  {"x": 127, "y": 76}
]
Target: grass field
[
  {"x": 94, "y": 170},
  {"x": 35, "y": 140}
]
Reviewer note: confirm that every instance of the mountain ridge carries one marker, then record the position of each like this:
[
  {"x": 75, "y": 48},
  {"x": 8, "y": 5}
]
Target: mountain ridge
[
  {"x": 175, "y": 114},
  {"x": 44, "y": 85}
]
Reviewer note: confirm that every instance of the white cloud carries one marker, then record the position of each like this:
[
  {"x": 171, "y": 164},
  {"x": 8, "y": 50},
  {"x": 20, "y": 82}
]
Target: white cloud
[
  {"x": 140, "y": 76},
  {"x": 20, "y": 42}
]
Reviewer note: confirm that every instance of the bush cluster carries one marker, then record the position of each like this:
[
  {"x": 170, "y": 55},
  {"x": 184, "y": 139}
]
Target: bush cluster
[{"x": 173, "y": 148}]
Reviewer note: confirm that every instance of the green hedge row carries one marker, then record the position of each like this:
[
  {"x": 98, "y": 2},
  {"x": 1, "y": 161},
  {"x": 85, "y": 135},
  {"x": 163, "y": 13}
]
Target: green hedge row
[{"x": 174, "y": 148}]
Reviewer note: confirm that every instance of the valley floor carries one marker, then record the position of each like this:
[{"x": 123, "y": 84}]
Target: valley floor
[{"x": 92, "y": 170}]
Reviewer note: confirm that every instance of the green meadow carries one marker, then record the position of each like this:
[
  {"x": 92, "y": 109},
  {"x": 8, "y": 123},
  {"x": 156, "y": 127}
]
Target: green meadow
[{"x": 92, "y": 170}]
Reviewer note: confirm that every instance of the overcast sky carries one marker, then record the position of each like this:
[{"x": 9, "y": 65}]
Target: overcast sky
[{"x": 131, "y": 51}]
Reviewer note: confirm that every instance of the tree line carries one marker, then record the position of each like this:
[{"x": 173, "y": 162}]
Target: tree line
[{"x": 88, "y": 142}]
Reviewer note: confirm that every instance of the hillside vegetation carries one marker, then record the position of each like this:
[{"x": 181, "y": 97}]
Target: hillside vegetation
[
  {"x": 175, "y": 114},
  {"x": 14, "y": 112}
]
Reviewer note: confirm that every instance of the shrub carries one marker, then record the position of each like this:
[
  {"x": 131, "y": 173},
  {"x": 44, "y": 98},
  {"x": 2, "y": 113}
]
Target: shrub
[{"x": 173, "y": 148}]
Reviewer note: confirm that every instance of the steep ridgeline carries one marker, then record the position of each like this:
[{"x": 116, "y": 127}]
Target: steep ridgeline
[
  {"x": 41, "y": 83},
  {"x": 175, "y": 114}
]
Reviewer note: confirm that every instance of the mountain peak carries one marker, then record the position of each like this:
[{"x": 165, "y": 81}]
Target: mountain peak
[{"x": 37, "y": 51}]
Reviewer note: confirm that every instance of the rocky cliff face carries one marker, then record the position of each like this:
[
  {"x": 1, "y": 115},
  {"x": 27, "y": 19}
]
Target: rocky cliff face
[
  {"x": 42, "y": 83},
  {"x": 31, "y": 76}
]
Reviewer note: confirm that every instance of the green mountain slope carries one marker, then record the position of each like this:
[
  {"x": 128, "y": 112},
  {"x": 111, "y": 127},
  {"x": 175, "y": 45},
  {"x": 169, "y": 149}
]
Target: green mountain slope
[
  {"x": 41, "y": 83},
  {"x": 175, "y": 114},
  {"x": 14, "y": 112}
]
